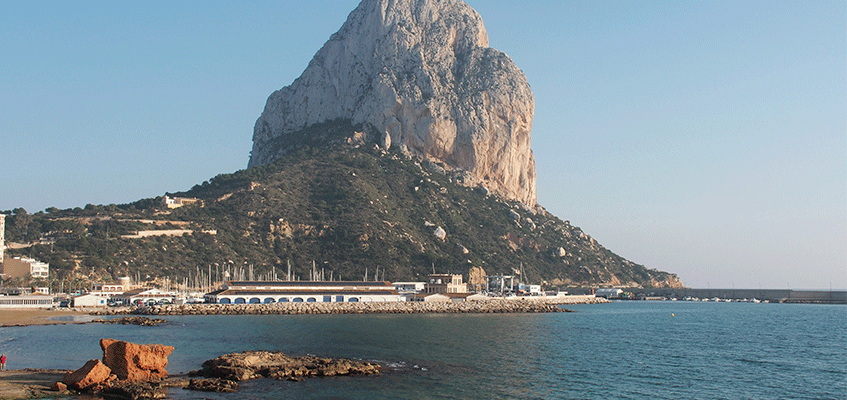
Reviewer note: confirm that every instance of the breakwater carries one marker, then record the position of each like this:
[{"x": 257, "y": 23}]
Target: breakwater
[
  {"x": 772, "y": 295},
  {"x": 521, "y": 305}
]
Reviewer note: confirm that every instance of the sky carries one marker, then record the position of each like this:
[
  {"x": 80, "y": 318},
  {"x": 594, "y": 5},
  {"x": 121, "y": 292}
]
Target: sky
[{"x": 703, "y": 138}]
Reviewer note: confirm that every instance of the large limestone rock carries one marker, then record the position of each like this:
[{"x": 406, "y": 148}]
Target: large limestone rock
[
  {"x": 136, "y": 362},
  {"x": 258, "y": 364},
  {"x": 419, "y": 75},
  {"x": 91, "y": 374}
]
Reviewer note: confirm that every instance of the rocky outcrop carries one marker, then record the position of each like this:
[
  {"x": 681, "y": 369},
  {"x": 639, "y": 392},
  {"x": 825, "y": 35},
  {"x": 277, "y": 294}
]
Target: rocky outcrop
[
  {"x": 93, "y": 373},
  {"x": 264, "y": 364},
  {"x": 136, "y": 362},
  {"x": 140, "y": 321},
  {"x": 417, "y": 75},
  {"x": 212, "y": 385}
]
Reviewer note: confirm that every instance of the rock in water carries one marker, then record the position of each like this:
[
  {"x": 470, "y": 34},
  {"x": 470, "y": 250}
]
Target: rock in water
[
  {"x": 136, "y": 362},
  {"x": 419, "y": 75},
  {"x": 258, "y": 364}
]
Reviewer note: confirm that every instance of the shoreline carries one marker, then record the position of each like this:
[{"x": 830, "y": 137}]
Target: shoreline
[
  {"x": 29, "y": 383},
  {"x": 16, "y": 317},
  {"x": 521, "y": 305},
  {"x": 20, "y": 317}
]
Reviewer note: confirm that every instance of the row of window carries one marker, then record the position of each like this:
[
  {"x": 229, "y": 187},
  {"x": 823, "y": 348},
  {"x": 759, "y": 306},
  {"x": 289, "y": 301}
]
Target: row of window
[
  {"x": 268, "y": 300},
  {"x": 18, "y": 302}
]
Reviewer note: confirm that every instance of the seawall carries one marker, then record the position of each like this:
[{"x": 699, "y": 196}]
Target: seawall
[
  {"x": 525, "y": 305},
  {"x": 772, "y": 295}
]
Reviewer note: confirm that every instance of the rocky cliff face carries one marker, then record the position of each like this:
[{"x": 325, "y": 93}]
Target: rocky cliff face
[{"x": 418, "y": 75}]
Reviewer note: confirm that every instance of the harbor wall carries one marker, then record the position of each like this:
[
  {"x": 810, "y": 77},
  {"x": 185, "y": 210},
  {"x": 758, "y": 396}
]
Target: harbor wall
[{"x": 772, "y": 295}]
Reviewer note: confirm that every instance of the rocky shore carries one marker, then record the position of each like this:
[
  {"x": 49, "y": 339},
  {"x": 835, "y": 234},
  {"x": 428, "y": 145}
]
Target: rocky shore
[
  {"x": 130, "y": 371},
  {"x": 132, "y": 320},
  {"x": 526, "y": 305}
]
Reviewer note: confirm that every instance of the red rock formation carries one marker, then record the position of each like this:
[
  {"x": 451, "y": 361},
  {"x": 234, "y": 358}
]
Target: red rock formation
[
  {"x": 136, "y": 362},
  {"x": 92, "y": 373}
]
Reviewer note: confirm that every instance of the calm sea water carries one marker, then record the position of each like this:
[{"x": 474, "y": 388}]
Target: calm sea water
[{"x": 631, "y": 350}]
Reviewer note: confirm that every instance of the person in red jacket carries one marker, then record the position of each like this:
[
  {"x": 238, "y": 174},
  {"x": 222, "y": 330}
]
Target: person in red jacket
[{"x": 2, "y": 362}]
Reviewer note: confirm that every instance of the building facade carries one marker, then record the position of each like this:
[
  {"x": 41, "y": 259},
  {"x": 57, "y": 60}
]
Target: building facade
[
  {"x": 89, "y": 300},
  {"x": 266, "y": 292},
  {"x": 176, "y": 202},
  {"x": 26, "y": 301},
  {"x": 2, "y": 237},
  {"x": 446, "y": 283},
  {"x": 145, "y": 296},
  {"x": 20, "y": 267}
]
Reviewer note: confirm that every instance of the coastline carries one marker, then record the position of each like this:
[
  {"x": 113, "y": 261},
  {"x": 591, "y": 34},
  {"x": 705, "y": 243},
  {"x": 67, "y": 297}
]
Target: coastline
[
  {"x": 12, "y": 317},
  {"x": 510, "y": 305},
  {"x": 60, "y": 316},
  {"x": 29, "y": 383}
]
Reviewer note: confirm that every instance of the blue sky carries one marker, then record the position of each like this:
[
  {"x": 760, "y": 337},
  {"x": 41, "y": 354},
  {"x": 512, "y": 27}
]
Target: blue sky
[{"x": 705, "y": 138}]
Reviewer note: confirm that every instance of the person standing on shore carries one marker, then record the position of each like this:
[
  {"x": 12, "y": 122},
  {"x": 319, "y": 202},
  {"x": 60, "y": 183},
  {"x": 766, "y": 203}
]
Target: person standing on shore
[{"x": 2, "y": 362}]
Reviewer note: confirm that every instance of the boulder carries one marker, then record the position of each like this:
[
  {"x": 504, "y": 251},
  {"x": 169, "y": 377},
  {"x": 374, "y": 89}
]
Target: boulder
[
  {"x": 136, "y": 362},
  {"x": 440, "y": 233},
  {"x": 514, "y": 215},
  {"x": 91, "y": 374},
  {"x": 212, "y": 385}
]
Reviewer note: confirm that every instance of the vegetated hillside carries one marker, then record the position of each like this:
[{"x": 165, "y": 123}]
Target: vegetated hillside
[{"x": 345, "y": 208}]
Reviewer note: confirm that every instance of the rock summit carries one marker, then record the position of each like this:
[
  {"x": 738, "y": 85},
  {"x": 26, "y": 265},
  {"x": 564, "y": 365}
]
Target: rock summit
[{"x": 417, "y": 75}]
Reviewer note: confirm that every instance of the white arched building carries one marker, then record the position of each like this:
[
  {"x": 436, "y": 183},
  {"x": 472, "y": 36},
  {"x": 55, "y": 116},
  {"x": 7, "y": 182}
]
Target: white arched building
[{"x": 265, "y": 292}]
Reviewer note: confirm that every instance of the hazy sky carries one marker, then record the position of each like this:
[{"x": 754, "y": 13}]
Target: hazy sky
[{"x": 705, "y": 138}]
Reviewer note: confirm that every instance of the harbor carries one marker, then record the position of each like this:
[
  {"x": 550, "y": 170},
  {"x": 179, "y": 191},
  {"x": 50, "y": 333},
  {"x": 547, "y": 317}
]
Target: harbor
[{"x": 735, "y": 295}]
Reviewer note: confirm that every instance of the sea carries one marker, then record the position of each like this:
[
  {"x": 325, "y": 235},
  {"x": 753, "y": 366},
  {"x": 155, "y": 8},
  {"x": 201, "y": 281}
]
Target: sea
[{"x": 621, "y": 350}]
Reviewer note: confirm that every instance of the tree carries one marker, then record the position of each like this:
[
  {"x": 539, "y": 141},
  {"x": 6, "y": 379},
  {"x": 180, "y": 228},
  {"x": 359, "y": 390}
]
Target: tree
[{"x": 21, "y": 222}]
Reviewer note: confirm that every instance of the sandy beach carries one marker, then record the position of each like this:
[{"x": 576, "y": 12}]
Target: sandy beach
[
  {"x": 29, "y": 383},
  {"x": 36, "y": 316}
]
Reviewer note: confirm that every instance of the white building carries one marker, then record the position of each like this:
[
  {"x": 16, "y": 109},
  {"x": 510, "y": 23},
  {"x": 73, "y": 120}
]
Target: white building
[
  {"x": 409, "y": 287},
  {"x": 259, "y": 292},
  {"x": 89, "y": 300},
  {"x": 2, "y": 237},
  {"x": 26, "y": 301},
  {"x": 446, "y": 283},
  {"x": 176, "y": 202},
  {"x": 145, "y": 296},
  {"x": 429, "y": 298},
  {"x": 22, "y": 267}
]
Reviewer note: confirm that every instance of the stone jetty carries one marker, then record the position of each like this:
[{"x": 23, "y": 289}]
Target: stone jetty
[{"x": 519, "y": 305}]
